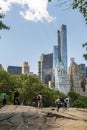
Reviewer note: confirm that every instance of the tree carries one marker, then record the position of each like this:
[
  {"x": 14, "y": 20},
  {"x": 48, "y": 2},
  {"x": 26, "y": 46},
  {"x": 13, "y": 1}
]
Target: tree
[
  {"x": 85, "y": 55},
  {"x": 2, "y": 25},
  {"x": 82, "y": 6}
]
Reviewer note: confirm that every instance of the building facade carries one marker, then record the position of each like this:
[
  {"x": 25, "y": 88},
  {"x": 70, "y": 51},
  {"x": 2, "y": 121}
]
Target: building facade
[
  {"x": 55, "y": 56},
  {"x": 25, "y": 68},
  {"x": 61, "y": 78},
  {"x": 77, "y": 76},
  {"x": 82, "y": 74},
  {"x": 74, "y": 76},
  {"x": 62, "y": 45},
  {"x": 45, "y": 68},
  {"x": 16, "y": 70}
]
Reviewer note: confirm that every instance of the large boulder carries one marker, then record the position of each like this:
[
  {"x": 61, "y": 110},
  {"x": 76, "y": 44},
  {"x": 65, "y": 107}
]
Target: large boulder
[{"x": 14, "y": 117}]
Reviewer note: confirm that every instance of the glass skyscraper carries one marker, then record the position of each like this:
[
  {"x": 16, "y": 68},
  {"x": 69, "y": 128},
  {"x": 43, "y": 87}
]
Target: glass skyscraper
[
  {"x": 45, "y": 68},
  {"x": 60, "y": 62},
  {"x": 55, "y": 56},
  {"x": 62, "y": 45}
]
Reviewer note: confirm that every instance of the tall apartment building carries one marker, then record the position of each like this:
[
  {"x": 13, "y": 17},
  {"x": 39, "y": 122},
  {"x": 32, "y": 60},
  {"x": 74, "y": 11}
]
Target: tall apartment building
[
  {"x": 45, "y": 68},
  {"x": 74, "y": 76},
  {"x": 77, "y": 76},
  {"x": 62, "y": 45},
  {"x": 25, "y": 68},
  {"x": 16, "y": 70}
]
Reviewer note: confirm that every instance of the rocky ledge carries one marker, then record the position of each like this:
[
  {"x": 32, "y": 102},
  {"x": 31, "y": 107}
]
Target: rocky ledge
[{"x": 30, "y": 118}]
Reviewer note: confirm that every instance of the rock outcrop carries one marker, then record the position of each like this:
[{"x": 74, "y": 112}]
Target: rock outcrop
[{"x": 30, "y": 118}]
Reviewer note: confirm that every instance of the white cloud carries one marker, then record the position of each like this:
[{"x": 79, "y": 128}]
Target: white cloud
[{"x": 34, "y": 10}]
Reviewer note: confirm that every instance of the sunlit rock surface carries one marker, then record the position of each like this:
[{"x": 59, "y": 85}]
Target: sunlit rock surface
[{"x": 30, "y": 118}]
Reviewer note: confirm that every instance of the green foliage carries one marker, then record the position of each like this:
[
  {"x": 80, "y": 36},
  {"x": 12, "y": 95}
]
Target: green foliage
[
  {"x": 73, "y": 95},
  {"x": 82, "y": 6},
  {"x": 77, "y": 100},
  {"x": 81, "y": 102},
  {"x": 30, "y": 86},
  {"x": 85, "y": 55},
  {"x": 2, "y": 25},
  {"x": 78, "y": 104}
]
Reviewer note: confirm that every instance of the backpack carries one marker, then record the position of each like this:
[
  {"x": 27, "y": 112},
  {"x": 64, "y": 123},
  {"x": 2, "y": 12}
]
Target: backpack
[{"x": 38, "y": 97}]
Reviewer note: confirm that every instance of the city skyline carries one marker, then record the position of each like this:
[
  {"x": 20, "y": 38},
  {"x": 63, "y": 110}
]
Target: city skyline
[{"x": 27, "y": 39}]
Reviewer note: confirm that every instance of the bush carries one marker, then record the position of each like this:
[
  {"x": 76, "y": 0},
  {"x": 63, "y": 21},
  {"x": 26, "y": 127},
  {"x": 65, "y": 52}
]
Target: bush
[{"x": 79, "y": 104}]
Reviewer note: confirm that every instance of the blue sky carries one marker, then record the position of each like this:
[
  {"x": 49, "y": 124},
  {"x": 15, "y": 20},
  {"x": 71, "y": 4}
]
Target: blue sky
[{"x": 33, "y": 30}]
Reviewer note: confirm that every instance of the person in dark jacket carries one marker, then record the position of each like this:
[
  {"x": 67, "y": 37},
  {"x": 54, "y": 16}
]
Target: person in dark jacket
[{"x": 16, "y": 97}]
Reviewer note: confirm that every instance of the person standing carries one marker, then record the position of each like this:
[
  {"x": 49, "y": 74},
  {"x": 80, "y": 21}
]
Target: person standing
[
  {"x": 66, "y": 102},
  {"x": 16, "y": 97},
  {"x": 39, "y": 100},
  {"x": 58, "y": 104},
  {"x": 4, "y": 100}
]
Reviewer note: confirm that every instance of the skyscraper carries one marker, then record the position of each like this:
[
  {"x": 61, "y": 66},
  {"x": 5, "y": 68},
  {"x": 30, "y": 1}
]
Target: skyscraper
[
  {"x": 25, "y": 68},
  {"x": 45, "y": 68},
  {"x": 61, "y": 78},
  {"x": 60, "y": 59},
  {"x": 55, "y": 56},
  {"x": 62, "y": 45}
]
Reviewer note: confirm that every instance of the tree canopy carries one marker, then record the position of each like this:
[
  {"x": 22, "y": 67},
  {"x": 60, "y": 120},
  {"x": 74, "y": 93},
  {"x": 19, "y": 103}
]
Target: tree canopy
[
  {"x": 30, "y": 86},
  {"x": 2, "y": 25},
  {"x": 82, "y": 6}
]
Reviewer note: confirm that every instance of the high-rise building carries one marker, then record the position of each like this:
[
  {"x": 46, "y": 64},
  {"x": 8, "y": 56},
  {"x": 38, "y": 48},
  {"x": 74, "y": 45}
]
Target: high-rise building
[
  {"x": 61, "y": 78},
  {"x": 62, "y": 45},
  {"x": 16, "y": 70},
  {"x": 48, "y": 63},
  {"x": 25, "y": 68},
  {"x": 55, "y": 56},
  {"x": 45, "y": 68},
  {"x": 60, "y": 62},
  {"x": 82, "y": 74},
  {"x": 82, "y": 69},
  {"x": 74, "y": 76},
  {"x": 77, "y": 76}
]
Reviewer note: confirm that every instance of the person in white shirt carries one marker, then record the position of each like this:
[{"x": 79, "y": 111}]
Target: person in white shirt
[{"x": 58, "y": 104}]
